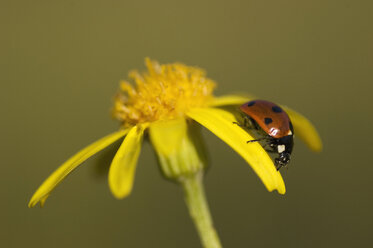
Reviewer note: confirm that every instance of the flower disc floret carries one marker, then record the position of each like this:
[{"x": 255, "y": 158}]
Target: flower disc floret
[{"x": 164, "y": 92}]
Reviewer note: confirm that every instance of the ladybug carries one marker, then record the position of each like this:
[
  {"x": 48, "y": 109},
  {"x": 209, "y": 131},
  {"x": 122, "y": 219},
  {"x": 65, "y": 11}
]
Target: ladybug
[{"x": 278, "y": 131}]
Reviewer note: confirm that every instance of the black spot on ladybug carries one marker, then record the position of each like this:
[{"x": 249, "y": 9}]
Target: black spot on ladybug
[
  {"x": 276, "y": 109},
  {"x": 267, "y": 120},
  {"x": 249, "y": 104}
]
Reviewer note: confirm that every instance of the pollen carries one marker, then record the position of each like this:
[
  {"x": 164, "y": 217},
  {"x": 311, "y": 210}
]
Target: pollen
[{"x": 163, "y": 92}]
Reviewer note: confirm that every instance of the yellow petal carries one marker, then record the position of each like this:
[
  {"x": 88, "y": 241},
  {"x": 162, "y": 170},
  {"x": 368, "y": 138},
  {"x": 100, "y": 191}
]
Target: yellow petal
[
  {"x": 229, "y": 100},
  {"x": 66, "y": 168},
  {"x": 220, "y": 122},
  {"x": 123, "y": 166},
  {"x": 304, "y": 129}
]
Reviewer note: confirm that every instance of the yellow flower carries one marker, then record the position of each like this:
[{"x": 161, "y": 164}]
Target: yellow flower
[{"x": 169, "y": 102}]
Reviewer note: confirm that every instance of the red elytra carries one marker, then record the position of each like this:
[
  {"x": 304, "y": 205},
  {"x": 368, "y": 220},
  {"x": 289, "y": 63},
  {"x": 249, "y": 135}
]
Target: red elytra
[{"x": 269, "y": 116}]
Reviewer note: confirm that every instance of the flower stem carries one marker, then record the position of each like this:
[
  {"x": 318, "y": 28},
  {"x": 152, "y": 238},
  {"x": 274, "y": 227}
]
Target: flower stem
[{"x": 198, "y": 209}]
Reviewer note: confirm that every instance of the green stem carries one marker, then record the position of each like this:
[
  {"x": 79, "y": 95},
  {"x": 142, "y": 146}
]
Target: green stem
[{"x": 198, "y": 208}]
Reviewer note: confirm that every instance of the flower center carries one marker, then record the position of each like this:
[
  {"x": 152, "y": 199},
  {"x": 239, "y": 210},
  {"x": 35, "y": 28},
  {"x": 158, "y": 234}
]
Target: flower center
[{"x": 164, "y": 92}]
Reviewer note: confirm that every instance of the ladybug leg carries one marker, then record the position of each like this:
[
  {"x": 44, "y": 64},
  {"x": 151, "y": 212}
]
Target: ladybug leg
[
  {"x": 244, "y": 124},
  {"x": 238, "y": 124},
  {"x": 278, "y": 166}
]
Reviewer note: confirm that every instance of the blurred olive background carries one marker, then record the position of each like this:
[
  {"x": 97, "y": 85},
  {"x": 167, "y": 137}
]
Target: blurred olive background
[{"x": 60, "y": 65}]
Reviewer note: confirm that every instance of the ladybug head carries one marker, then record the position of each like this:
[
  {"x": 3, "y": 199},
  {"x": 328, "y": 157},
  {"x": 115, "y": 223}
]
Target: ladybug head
[{"x": 282, "y": 160}]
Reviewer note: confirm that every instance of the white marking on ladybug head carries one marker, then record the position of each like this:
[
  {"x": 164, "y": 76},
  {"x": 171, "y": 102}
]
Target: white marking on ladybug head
[
  {"x": 280, "y": 148},
  {"x": 290, "y": 133}
]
